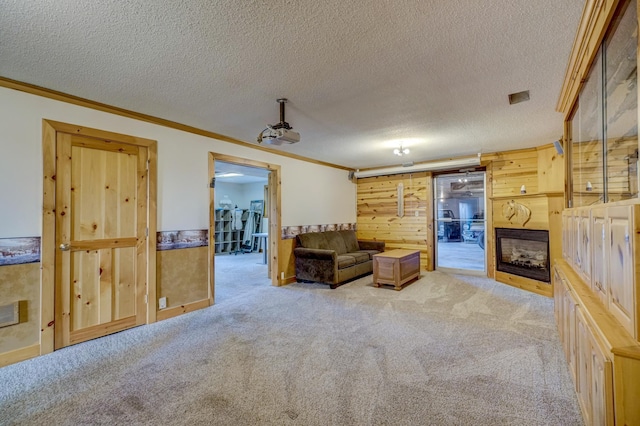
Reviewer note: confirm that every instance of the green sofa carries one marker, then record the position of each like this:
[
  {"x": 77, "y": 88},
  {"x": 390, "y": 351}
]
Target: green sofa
[{"x": 333, "y": 257}]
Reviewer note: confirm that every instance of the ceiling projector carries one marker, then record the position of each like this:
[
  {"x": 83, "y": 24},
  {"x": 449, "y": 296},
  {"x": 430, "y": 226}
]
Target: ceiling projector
[
  {"x": 281, "y": 132},
  {"x": 280, "y": 136}
]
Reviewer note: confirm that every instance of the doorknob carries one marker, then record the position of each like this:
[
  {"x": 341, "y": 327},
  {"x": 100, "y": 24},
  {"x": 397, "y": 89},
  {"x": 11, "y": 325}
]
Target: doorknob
[{"x": 65, "y": 246}]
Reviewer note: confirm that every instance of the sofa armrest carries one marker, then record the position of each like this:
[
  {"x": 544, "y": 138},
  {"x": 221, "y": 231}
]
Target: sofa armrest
[
  {"x": 371, "y": 245},
  {"x": 320, "y": 254}
]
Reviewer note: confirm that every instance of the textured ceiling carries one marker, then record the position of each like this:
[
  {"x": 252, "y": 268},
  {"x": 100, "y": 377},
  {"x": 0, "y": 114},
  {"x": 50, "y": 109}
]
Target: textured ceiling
[{"x": 361, "y": 76}]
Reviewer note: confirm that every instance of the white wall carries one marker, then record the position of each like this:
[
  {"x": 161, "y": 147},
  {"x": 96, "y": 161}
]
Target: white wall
[
  {"x": 235, "y": 192},
  {"x": 253, "y": 191},
  {"x": 311, "y": 194},
  {"x": 240, "y": 194}
]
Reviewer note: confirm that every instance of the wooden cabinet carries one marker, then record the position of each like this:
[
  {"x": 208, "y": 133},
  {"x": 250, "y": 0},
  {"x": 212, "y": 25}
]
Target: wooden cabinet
[{"x": 603, "y": 358}]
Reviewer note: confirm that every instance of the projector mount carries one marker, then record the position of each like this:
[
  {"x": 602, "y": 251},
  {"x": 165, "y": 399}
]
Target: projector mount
[{"x": 281, "y": 132}]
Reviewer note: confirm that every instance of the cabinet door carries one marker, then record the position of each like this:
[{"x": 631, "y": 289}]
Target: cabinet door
[
  {"x": 620, "y": 265},
  {"x": 567, "y": 226},
  {"x": 570, "y": 340},
  {"x": 598, "y": 240},
  {"x": 575, "y": 236},
  {"x": 557, "y": 300},
  {"x": 583, "y": 379},
  {"x": 584, "y": 244},
  {"x": 601, "y": 385}
]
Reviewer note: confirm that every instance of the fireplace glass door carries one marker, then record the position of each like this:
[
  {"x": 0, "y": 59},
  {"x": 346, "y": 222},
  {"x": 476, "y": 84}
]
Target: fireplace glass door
[{"x": 459, "y": 200}]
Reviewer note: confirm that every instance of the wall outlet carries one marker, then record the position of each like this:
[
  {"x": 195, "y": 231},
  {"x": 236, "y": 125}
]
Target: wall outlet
[
  {"x": 162, "y": 302},
  {"x": 282, "y": 276},
  {"x": 417, "y": 213}
]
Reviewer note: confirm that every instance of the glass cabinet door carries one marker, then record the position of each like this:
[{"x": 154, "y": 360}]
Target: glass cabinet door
[
  {"x": 621, "y": 97},
  {"x": 587, "y": 141}
]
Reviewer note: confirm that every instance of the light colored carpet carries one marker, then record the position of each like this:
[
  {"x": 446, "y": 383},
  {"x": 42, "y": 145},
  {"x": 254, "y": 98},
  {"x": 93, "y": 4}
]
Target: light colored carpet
[{"x": 446, "y": 350}]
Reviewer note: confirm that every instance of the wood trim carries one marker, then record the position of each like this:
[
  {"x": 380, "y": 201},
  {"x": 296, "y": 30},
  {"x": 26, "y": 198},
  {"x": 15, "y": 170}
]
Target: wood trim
[
  {"x": 275, "y": 224},
  {"x": 596, "y": 16},
  {"x": 211, "y": 288},
  {"x": 493, "y": 156},
  {"x": 430, "y": 264},
  {"x": 524, "y": 283},
  {"x": 86, "y": 103},
  {"x": 489, "y": 245},
  {"x": 143, "y": 236},
  {"x": 18, "y": 355},
  {"x": 48, "y": 249},
  {"x": 152, "y": 225},
  {"x": 74, "y": 129},
  {"x": 182, "y": 309},
  {"x": 288, "y": 280}
]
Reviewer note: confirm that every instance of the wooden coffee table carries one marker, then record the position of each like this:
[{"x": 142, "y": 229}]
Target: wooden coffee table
[{"x": 396, "y": 267}]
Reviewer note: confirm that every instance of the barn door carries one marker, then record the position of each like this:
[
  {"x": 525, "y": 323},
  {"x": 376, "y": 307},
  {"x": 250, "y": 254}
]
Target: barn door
[{"x": 101, "y": 237}]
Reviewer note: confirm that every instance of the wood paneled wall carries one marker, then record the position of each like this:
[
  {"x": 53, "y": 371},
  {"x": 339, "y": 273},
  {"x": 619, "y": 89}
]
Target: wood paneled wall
[
  {"x": 378, "y": 218},
  {"x": 541, "y": 170}
]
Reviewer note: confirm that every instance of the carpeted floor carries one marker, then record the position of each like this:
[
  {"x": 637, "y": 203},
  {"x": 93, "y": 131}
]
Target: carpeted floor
[{"x": 446, "y": 350}]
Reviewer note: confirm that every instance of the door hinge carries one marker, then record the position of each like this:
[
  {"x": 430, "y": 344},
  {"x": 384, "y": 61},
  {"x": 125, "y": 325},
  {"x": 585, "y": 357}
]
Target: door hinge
[
  {"x": 212, "y": 184},
  {"x": 146, "y": 232},
  {"x": 146, "y": 299},
  {"x": 148, "y": 162}
]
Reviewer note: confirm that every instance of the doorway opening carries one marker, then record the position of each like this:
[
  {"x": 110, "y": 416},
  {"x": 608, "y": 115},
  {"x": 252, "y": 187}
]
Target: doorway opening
[
  {"x": 460, "y": 205},
  {"x": 244, "y": 225}
]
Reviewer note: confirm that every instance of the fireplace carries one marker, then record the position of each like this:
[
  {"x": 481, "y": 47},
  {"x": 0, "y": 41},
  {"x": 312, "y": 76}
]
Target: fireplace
[{"x": 523, "y": 252}]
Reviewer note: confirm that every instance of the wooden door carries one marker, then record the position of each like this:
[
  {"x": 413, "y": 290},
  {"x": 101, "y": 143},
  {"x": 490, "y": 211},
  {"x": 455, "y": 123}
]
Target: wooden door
[{"x": 101, "y": 235}]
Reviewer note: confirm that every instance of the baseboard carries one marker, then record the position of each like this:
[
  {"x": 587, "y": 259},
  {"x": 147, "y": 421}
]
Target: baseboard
[
  {"x": 289, "y": 280},
  {"x": 18, "y": 355},
  {"x": 523, "y": 283},
  {"x": 182, "y": 309}
]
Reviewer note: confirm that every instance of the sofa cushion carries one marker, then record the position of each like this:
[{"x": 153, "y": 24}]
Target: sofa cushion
[
  {"x": 370, "y": 253},
  {"x": 345, "y": 261},
  {"x": 313, "y": 240},
  {"x": 335, "y": 242},
  {"x": 350, "y": 241},
  {"x": 360, "y": 256}
]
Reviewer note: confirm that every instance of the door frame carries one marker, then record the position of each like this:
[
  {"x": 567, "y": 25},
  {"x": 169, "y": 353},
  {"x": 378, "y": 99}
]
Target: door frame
[
  {"x": 274, "y": 215},
  {"x": 483, "y": 273},
  {"x": 50, "y": 130}
]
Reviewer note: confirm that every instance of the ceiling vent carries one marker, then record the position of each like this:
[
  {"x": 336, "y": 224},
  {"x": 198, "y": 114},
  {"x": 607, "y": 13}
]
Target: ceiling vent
[
  {"x": 516, "y": 98},
  {"x": 280, "y": 133}
]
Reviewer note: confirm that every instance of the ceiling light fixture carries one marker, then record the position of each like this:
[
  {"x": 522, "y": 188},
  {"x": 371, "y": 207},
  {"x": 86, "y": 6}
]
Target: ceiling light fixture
[
  {"x": 226, "y": 175},
  {"x": 401, "y": 151}
]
